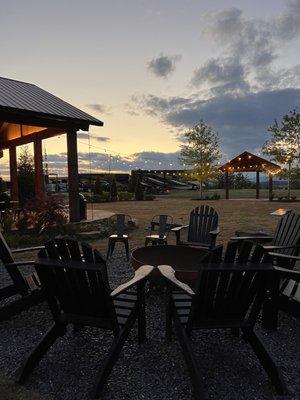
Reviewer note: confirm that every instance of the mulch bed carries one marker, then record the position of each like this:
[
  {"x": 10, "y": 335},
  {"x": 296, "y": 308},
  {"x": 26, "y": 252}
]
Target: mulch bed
[{"x": 155, "y": 370}]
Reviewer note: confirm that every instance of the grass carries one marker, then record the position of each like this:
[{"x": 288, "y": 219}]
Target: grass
[{"x": 233, "y": 215}]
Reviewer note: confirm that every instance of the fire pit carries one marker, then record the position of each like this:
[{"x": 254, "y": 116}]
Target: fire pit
[{"x": 185, "y": 261}]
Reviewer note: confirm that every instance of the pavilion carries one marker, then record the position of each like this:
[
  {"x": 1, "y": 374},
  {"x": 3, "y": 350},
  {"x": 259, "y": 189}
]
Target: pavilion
[
  {"x": 29, "y": 114},
  {"x": 248, "y": 162}
]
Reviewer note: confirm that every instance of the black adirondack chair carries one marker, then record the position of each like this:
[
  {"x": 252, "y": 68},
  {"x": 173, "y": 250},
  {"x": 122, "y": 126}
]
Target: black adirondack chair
[
  {"x": 78, "y": 292},
  {"x": 163, "y": 223},
  {"x": 226, "y": 295},
  {"x": 202, "y": 228},
  {"x": 285, "y": 239},
  {"x": 287, "y": 296},
  {"x": 24, "y": 291},
  {"x": 120, "y": 236}
]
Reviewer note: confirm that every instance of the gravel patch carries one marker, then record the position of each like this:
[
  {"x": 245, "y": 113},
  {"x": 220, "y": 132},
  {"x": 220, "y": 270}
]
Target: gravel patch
[{"x": 155, "y": 370}]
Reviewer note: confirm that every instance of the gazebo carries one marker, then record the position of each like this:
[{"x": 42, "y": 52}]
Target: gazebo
[
  {"x": 248, "y": 162},
  {"x": 29, "y": 114}
]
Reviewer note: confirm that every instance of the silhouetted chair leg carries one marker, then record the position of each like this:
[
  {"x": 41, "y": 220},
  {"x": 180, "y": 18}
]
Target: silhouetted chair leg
[
  {"x": 37, "y": 354},
  {"x": 127, "y": 249},
  {"x": 267, "y": 362},
  {"x": 112, "y": 358},
  {"x": 108, "y": 249},
  {"x": 190, "y": 360},
  {"x": 112, "y": 247}
]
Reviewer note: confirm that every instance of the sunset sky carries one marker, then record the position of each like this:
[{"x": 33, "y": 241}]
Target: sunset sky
[{"x": 151, "y": 69}]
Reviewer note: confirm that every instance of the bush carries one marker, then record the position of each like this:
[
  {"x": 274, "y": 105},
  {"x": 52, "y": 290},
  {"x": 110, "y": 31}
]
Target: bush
[
  {"x": 25, "y": 177},
  {"x": 138, "y": 193},
  {"x": 125, "y": 196},
  {"x": 7, "y": 221},
  {"x": 113, "y": 189},
  {"x": 215, "y": 196},
  {"x": 99, "y": 198},
  {"x": 98, "y": 187},
  {"x": 149, "y": 197}
]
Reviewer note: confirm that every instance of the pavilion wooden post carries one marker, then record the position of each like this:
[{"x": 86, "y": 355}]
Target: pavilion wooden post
[
  {"x": 73, "y": 180},
  {"x": 38, "y": 168},
  {"x": 270, "y": 187},
  {"x": 226, "y": 185},
  {"x": 13, "y": 176},
  {"x": 257, "y": 184}
]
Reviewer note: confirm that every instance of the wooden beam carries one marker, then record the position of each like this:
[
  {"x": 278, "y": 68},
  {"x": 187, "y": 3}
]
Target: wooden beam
[
  {"x": 14, "y": 189},
  {"x": 226, "y": 186},
  {"x": 45, "y": 134},
  {"x": 270, "y": 187},
  {"x": 73, "y": 180},
  {"x": 39, "y": 184},
  {"x": 257, "y": 184}
]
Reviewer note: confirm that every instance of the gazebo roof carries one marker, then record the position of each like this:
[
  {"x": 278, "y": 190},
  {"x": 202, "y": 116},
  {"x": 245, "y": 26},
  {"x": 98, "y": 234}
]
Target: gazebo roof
[
  {"x": 26, "y": 109},
  {"x": 248, "y": 162}
]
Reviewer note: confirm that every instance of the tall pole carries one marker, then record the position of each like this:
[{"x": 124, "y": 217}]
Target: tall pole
[
  {"x": 270, "y": 187},
  {"x": 14, "y": 190},
  {"x": 73, "y": 178},
  {"x": 38, "y": 169},
  {"x": 257, "y": 184},
  {"x": 226, "y": 185}
]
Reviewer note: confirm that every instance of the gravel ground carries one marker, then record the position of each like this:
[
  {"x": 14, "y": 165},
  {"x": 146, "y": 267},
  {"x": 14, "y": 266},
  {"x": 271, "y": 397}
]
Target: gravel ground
[{"x": 155, "y": 370}]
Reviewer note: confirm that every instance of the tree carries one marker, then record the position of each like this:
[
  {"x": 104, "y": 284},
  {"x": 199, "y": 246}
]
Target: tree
[
  {"x": 201, "y": 152},
  {"x": 113, "y": 189},
  {"x": 241, "y": 181},
  {"x": 25, "y": 177},
  {"x": 98, "y": 186},
  {"x": 284, "y": 146},
  {"x": 138, "y": 192},
  {"x": 132, "y": 182}
]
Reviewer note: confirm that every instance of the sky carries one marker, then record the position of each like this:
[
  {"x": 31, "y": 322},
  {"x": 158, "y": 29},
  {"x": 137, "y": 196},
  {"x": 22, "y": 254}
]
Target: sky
[{"x": 150, "y": 70}]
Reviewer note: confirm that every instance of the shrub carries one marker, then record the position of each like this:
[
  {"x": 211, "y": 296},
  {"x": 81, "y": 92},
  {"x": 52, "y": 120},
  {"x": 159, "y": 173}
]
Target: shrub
[
  {"x": 125, "y": 196},
  {"x": 138, "y": 193},
  {"x": 149, "y": 197},
  {"x": 25, "y": 177},
  {"x": 113, "y": 189},
  {"x": 98, "y": 187},
  {"x": 99, "y": 198},
  {"x": 215, "y": 196},
  {"x": 7, "y": 221}
]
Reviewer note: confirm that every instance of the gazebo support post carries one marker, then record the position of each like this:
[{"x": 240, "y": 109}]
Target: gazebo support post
[
  {"x": 270, "y": 187},
  {"x": 38, "y": 169},
  {"x": 13, "y": 176},
  {"x": 257, "y": 184},
  {"x": 73, "y": 180},
  {"x": 226, "y": 186}
]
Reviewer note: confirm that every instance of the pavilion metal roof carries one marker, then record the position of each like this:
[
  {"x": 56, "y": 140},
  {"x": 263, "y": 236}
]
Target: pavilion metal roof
[
  {"x": 26, "y": 100},
  {"x": 248, "y": 162}
]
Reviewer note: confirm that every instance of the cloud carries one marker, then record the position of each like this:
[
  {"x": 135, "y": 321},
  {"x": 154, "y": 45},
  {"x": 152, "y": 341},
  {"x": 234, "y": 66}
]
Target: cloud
[
  {"x": 100, "y": 108},
  {"x": 222, "y": 75},
  {"x": 163, "y": 65},
  {"x": 85, "y": 136},
  {"x": 249, "y": 49},
  {"x": 241, "y": 120}
]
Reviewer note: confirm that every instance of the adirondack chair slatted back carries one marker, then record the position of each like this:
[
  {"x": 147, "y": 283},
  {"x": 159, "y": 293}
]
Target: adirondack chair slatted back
[
  {"x": 288, "y": 232},
  {"x": 80, "y": 290},
  {"x": 226, "y": 295},
  {"x": 164, "y": 223},
  {"x": 15, "y": 275},
  {"x": 203, "y": 219},
  {"x": 121, "y": 220}
]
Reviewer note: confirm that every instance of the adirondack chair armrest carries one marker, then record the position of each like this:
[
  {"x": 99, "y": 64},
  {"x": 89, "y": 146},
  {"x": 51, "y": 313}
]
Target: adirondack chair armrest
[
  {"x": 287, "y": 273},
  {"x": 256, "y": 238},
  {"x": 20, "y": 264},
  {"x": 169, "y": 274},
  {"x": 179, "y": 228},
  {"x": 285, "y": 256},
  {"x": 27, "y": 249},
  {"x": 269, "y": 248},
  {"x": 215, "y": 232},
  {"x": 140, "y": 274}
]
